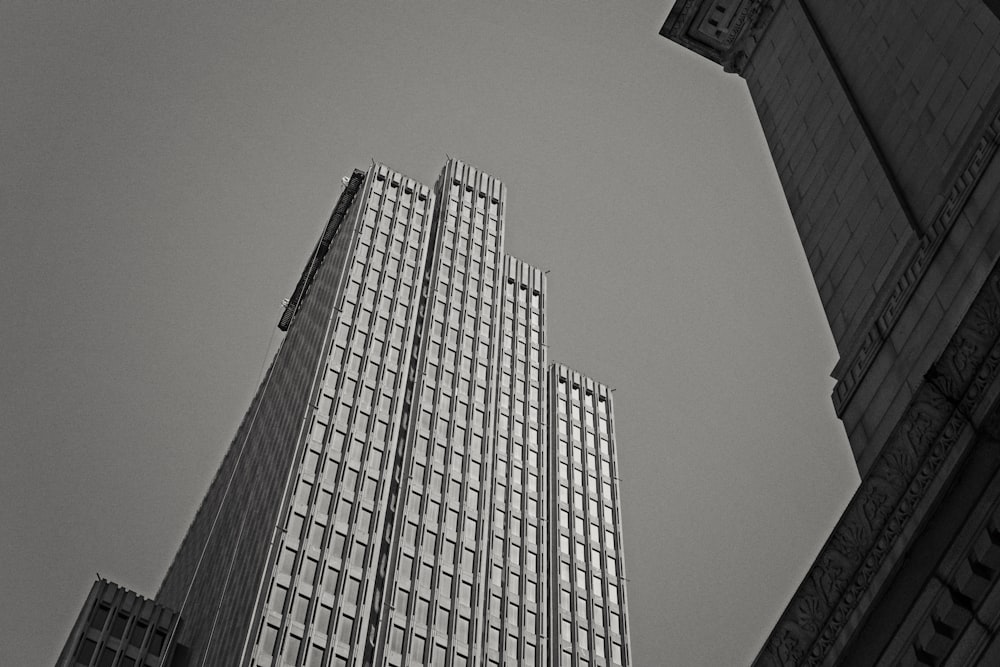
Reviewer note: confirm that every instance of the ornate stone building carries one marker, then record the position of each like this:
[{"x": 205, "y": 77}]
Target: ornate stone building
[{"x": 883, "y": 119}]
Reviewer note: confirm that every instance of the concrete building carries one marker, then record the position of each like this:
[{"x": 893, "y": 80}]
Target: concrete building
[
  {"x": 883, "y": 122},
  {"x": 413, "y": 483},
  {"x": 118, "y": 627}
]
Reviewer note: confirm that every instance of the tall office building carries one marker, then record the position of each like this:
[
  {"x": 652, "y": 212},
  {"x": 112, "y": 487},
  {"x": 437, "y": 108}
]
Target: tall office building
[
  {"x": 883, "y": 121},
  {"x": 413, "y": 483}
]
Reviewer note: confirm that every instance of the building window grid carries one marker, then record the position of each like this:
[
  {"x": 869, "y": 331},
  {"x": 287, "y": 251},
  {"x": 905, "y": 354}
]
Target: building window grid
[
  {"x": 465, "y": 342},
  {"x": 571, "y": 408},
  {"x": 387, "y": 299},
  {"x": 513, "y": 606}
]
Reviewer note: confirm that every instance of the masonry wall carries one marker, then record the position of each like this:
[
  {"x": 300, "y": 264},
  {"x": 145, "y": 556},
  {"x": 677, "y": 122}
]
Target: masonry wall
[
  {"x": 874, "y": 112},
  {"x": 852, "y": 227},
  {"x": 943, "y": 296},
  {"x": 922, "y": 73}
]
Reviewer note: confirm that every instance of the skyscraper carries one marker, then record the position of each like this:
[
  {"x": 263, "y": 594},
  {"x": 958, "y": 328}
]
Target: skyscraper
[
  {"x": 413, "y": 482},
  {"x": 883, "y": 121}
]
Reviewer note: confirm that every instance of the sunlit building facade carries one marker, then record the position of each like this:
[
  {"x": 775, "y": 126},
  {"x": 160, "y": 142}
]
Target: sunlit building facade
[{"x": 413, "y": 484}]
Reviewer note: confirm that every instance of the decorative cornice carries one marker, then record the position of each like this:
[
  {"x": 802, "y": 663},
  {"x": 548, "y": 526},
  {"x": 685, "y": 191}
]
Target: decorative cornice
[
  {"x": 962, "y": 591},
  {"x": 731, "y": 49},
  {"x": 958, "y": 194},
  {"x": 885, "y": 503}
]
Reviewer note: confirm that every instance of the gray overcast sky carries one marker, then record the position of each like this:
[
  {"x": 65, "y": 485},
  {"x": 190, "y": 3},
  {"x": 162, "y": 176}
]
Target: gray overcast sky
[{"x": 167, "y": 167}]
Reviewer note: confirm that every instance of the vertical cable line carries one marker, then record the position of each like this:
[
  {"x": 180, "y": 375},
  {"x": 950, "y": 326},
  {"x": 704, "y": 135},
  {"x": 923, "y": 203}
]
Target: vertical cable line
[
  {"x": 330, "y": 231},
  {"x": 260, "y": 400},
  {"x": 225, "y": 495},
  {"x": 243, "y": 518},
  {"x": 312, "y": 264},
  {"x": 246, "y": 511}
]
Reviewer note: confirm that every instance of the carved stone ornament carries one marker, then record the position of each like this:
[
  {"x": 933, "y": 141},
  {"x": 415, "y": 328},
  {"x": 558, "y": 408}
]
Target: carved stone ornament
[
  {"x": 858, "y": 362},
  {"x": 734, "y": 43},
  {"x": 888, "y": 497}
]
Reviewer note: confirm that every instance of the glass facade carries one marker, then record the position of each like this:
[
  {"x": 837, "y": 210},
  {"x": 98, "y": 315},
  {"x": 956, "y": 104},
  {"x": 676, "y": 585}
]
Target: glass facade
[{"x": 413, "y": 484}]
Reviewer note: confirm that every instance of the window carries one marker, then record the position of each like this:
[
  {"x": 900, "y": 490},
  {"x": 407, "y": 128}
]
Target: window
[
  {"x": 315, "y": 656},
  {"x": 396, "y": 640},
  {"x": 351, "y": 592},
  {"x": 156, "y": 643},
  {"x": 530, "y": 590},
  {"x": 323, "y": 619},
  {"x": 402, "y": 600},
  {"x": 325, "y": 501},
  {"x": 86, "y": 651},
  {"x": 613, "y": 622},
  {"x": 442, "y": 620},
  {"x": 465, "y": 593},
  {"x": 292, "y": 650},
  {"x": 417, "y": 649},
  {"x": 420, "y": 611},
  {"x": 138, "y": 633},
  {"x": 344, "y": 630},
  {"x": 268, "y": 639},
  {"x": 301, "y": 607},
  {"x": 107, "y": 657},
  {"x": 612, "y": 593},
  {"x": 100, "y": 616},
  {"x": 295, "y": 526},
  {"x": 444, "y": 584},
  {"x": 309, "y": 571}
]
